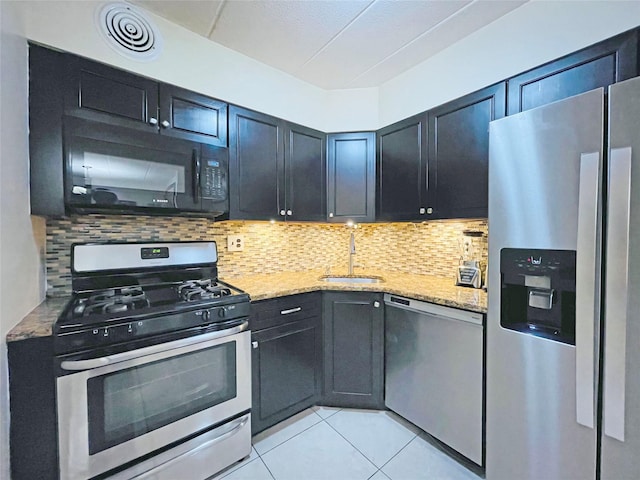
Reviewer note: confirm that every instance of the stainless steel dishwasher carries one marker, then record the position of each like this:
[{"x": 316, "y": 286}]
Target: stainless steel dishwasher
[{"x": 434, "y": 371}]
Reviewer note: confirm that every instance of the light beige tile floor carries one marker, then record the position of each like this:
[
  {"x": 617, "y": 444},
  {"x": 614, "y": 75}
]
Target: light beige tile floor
[{"x": 324, "y": 443}]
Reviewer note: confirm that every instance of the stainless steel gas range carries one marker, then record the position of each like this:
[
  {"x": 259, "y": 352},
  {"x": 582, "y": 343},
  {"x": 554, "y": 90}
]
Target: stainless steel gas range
[{"x": 153, "y": 364}]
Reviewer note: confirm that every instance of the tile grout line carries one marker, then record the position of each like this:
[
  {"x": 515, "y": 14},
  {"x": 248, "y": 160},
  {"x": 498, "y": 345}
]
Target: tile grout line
[
  {"x": 302, "y": 431},
  {"x": 356, "y": 448}
]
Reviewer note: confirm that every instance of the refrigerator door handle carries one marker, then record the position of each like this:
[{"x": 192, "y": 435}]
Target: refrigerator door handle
[
  {"x": 617, "y": 291},
  {"x": 587, "y": 287}
]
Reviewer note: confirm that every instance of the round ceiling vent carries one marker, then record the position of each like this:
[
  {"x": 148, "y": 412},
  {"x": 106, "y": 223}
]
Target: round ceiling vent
[{"x": 129, "y": 32}]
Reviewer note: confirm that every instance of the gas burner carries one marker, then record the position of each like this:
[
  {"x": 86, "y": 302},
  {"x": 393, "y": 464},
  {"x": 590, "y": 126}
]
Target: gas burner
[
  {"x": 115, "y": 300},
  {"x": 194, "y": 290}
]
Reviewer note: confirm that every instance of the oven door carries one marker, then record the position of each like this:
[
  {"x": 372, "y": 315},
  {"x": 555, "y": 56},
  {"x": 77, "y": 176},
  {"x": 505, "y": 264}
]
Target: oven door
[
  {"x": 137, "y": 402},
  {"x": 109, "y": 168}
]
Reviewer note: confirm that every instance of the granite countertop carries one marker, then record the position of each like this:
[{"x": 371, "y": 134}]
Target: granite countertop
[
  {"x": 440, "y": 290},
  {"x": 429, "y": 288},
  {"x": 39, "y": 322}
]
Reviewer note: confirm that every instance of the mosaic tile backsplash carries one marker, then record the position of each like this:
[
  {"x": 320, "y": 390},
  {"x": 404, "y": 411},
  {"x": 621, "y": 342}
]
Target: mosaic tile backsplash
[{"x": 433, "y": 248}]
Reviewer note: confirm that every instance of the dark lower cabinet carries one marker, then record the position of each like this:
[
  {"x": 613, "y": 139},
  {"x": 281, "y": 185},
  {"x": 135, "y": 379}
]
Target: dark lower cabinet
[
  {"x": 353, "y": 349},
  {"x": 286, "y": 358},
  {"x": 459, "y": 153},
  {"x": 32, "y": 390},
  {"x": 600, "y": 65}
]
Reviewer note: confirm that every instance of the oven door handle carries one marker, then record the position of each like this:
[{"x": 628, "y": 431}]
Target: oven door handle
[{"x": 90, "y": 364}]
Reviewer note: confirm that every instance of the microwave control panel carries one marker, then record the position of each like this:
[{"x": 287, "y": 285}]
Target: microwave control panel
[{"x": 213, "y": 180}]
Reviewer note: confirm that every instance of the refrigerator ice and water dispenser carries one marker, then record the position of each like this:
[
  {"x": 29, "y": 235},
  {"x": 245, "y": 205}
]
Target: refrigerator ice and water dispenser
[{"x": 538, "y": 294}]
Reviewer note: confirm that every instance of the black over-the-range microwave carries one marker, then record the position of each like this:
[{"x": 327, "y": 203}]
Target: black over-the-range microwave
[{"x": 119, "y": 170}]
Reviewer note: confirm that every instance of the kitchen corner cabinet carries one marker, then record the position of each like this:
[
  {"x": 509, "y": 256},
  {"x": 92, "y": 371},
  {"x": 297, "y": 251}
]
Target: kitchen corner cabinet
[
  {"x": 353, "y": 349},
  {"x": 351, "y": 177},
  {"x": 286, "y": 357},
  {"x": 458, "y": 138},
  {"x": 600, "y": 65},
  {"x": 401, "y": 170},
  {"x": 98, "y": 92},
  {"x": 277, "y": 169}
]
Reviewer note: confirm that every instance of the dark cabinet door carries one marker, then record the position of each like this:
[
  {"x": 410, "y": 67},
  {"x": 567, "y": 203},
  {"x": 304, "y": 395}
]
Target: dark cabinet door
[
  {"x": 351, "y": 177},
  {"x": 459, "y": 153},
  {"x": 401, "y": 170},
  {"x": 286, "y": 377},
  {"x": 46, "y": 106},
  {"x": 98, "y": 92},
  {"x": 600, "y": 65},
  {"x": 305, "y": 164},
  {"x": 353, "y": 349},
  {"x": 286, "y": 357},
  {"x": 256, "y": 165},
  {"x": 192, "y": 116}
]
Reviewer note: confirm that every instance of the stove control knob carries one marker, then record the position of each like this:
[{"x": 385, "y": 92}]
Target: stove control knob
[
  {"x": 105, "y": 332},
  {"x": 222, "y": 312},
  {"x": 205, "y": 315}
]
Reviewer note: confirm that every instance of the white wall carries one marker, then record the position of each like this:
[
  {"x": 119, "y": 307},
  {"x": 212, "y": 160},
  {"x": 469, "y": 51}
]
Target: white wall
[
  {"x": 22, "y": 237},
  {"x": 193, "y": 62},
  {"x": 529, "y": 36}
]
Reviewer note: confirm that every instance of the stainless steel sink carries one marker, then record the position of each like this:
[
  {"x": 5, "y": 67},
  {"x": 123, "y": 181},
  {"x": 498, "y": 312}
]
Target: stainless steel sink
[{"x": 351, "y": 279}]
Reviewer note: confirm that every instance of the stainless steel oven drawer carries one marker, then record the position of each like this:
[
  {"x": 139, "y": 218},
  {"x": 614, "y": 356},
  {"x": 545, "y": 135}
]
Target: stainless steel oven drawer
[{"x": 200, "y": 457}]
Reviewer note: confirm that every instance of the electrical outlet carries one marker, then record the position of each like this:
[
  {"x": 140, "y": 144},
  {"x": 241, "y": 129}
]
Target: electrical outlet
[{"x": 235, "y": 243}]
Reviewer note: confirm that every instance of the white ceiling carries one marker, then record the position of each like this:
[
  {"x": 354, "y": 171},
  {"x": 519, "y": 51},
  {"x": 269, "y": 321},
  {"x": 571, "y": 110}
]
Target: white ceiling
[{"x": 334, "y": 43}]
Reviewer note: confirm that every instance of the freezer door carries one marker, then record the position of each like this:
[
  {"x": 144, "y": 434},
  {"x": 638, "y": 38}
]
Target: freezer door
[
  {"x": 621, "y": 383},
  {"x": 545, "y": 173}
]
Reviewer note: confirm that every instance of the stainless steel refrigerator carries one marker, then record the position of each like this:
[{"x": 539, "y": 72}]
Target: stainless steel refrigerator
[{"x": 563, "y": 326}]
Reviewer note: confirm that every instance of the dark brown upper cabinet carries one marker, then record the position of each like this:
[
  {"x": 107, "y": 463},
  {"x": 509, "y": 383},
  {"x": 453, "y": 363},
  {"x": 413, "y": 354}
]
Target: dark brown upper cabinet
[
  {"x": 351, "y": 177},
  {"x": 600, "y": 65},
  {"x": 305, "y": 173},
  {"x": 401, "y": 170},
  {"x": 98, "y": 92},
  {"x": 277, "y": 169},
  {"x": 256, "y": 165},
  {"x": 458, "y": 140},
  {"x": 192, "y": 116}
]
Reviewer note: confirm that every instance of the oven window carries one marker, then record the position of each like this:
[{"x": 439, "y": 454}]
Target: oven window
[{"x": 129, "y": 403}]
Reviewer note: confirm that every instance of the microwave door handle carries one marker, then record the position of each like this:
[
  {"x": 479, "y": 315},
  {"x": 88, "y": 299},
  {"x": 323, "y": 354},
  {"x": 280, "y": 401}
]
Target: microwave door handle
[{"x": 196, "y": 175}]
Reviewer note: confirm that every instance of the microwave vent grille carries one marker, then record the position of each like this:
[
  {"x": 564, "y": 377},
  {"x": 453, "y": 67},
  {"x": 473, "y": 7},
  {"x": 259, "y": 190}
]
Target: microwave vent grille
[{"x": 128, "y": 31}]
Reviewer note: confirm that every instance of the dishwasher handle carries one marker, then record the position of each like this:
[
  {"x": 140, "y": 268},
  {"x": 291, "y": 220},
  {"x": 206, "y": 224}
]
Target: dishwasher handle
[{"x": 419, "y": 306}]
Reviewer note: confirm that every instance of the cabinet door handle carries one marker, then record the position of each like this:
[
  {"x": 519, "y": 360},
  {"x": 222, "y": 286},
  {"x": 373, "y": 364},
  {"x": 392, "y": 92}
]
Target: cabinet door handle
[
  {"x": 289, "y": 212},
  {"x": 282, "y": 212},
  {"x": 291, "y": 310},
  {"x": 423, "y": 211},
  {"x": 153, "y": 121},
  {"x": 429, "y": 210},
  {"x": 376, "y": 304},
  {"x": 165, "y": 124},
  {"x": 331, "y": 215},
  {"x": 254, "y": 344}
]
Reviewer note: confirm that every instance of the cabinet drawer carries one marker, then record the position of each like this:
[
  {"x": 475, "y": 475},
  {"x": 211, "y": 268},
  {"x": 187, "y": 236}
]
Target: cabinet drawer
[{"x": 278, "y": 311}]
